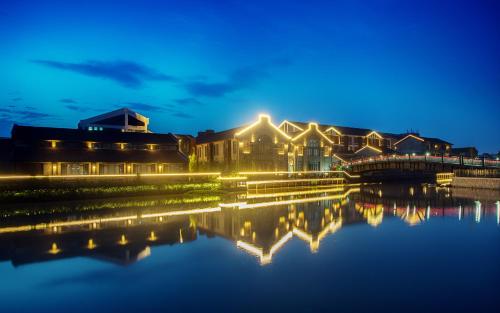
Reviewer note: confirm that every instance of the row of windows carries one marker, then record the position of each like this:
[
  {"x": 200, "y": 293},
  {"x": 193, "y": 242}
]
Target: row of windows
[{"x": 107, "y": 146}]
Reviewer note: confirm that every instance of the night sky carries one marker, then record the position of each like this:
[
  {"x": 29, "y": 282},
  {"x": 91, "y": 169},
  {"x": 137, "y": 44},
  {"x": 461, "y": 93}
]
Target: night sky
[{"x": 431, "y": 66}]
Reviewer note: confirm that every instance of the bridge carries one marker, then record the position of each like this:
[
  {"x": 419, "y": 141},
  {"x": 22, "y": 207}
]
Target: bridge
[{"x": 422, "y": 167}]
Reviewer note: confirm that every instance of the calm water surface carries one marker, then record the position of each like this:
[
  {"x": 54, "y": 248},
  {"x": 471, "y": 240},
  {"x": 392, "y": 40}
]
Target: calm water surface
[{"x": 374, "y": 248}]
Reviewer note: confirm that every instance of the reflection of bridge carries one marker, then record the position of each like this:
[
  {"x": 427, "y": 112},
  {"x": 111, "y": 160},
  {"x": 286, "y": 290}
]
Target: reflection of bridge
[
  {"x": 416, "y": 166},
  {"x": 258, "y": 228}
]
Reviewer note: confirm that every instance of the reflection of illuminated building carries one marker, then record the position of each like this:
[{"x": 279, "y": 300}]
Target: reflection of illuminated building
[
  {"x": 260, "y": 226},
  {"x": 373, "y": 214},
  {"x": 412, "y": 216},
  {"x": 114, "y": 242}
]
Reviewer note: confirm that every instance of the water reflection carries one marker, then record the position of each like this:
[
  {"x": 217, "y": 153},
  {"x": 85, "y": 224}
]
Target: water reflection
[{"x": 123, "y": 231}]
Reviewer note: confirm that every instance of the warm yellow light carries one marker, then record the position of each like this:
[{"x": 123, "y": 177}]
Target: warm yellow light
[
  {"x": 370, "y": 147},
  {"x": 374, "y": 133},
  {"x": 91, "y": 245},
  {"x": 152, "y": 236},
  {"x": 53, "y": 143},
  {"x": 123, "y": 241},
  {"x": 263, "y": 118},
  {"x": 312, "y": 126},
  {"x": 54, "y": 249},
  {"x": 409, "y": 136},
  {"x": 290, "y": 123},
  {"x": 334, "y": 129}
]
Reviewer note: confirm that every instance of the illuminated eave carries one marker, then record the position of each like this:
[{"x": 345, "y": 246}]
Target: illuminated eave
[
  {"x": 309, "y": 128},
  {"x": 375, "y": 133},
  {"x": 409, "y": 136},
  {"x": 291, "y": 124},
  {"x": 334, "y": 129},
  {"x": 368, "y": 146},
  {"x": 262, "y": 117}
]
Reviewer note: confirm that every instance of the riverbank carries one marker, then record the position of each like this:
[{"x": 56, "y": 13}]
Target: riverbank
[
  {"x": 71, "y": 192},
  {"x": 476, "y": 182}
]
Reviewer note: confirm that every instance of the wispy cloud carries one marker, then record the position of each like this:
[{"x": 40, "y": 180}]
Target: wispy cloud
[
  {"x": 188, "y": 101},
  {"x": 241, "y": 78},
  {"x": 144, "y": 106},
  {"x": 68, "y": 100},
  {"x": 182, "y": 115},
  {"x": 24, "y": 115},
  {"x": 127, "y": 73},
  {"x": 78, "y": 108}
]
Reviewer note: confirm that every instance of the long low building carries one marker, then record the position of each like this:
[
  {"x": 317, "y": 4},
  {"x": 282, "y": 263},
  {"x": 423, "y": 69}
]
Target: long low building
[
  {"x": 119, "y": 142},
  {"x": 298, "y": 146},
  {"x": 106, "y": 145}
]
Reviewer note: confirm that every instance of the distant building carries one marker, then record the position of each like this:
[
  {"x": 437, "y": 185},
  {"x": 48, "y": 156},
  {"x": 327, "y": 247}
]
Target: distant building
[
  {"x": 85, "y": 151},
  {"x": 414, "y": 143},
  {"x": 470, "y": 152},
  {"x": 123, "y": 119}
]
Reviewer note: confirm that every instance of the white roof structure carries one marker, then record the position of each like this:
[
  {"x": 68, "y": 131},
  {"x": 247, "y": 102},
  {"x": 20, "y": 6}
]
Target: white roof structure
[{"x": 123, "y": 119}]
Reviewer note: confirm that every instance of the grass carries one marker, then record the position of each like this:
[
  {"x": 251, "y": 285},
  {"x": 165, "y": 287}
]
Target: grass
[{"x": 75, "y": 193}]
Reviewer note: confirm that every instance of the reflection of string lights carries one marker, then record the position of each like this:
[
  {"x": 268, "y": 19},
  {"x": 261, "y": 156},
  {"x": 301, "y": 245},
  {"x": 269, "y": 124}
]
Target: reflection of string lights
[
  {"x": 498, "y": 212},
  {"x": 265, "y": 258},
  {"x": 478, "y": 212}
]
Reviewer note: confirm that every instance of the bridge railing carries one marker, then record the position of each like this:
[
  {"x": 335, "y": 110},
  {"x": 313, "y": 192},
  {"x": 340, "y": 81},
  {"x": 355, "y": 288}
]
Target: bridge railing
[{"x": 472, "y": 162}]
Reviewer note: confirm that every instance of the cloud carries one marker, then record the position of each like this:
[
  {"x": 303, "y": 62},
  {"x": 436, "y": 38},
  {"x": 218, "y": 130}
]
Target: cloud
[
  {"x": 126, "y": 73},
  {"x": 68, "y": 100},
  {"x": 182, "y": 115},
  {"x": 188, "y": 101},
  {"x": 241, "y": 78},
  {"x": 78, "y": 108},
  {"x": 25, "y": 115},
  {"x": 144, "y": 107}
]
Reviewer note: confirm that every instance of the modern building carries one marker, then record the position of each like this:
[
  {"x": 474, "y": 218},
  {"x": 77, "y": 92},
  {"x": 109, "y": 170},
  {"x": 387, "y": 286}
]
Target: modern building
[
  {"x": 123, "y": 119},
  {"x": 95, "y": 151}
]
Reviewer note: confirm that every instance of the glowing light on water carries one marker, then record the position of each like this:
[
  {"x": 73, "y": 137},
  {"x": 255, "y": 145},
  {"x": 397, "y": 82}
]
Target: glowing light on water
[
  {"x": 498, "y": 212},
  {"x": 478, "y": 212}
]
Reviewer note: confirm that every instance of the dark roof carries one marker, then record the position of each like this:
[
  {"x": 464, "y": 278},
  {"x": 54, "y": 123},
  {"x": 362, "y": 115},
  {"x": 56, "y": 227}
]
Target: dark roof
[
  {"x": 353, "y": 131},
  {"x": 205, "y": 137},
  {"x": 464, "y": 149},
  {"x": 435, "y": 140},
  {"x": 184, "y": 136},
  {"x": 31, "y": 133},
  {"x": 31, "y": 154}
]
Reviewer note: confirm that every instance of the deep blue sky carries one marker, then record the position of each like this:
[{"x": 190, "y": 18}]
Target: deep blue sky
[{"x": 432, "y": 66}]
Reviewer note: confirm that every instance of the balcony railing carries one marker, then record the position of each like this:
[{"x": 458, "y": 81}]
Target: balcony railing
[{"x": 472, "y": 162}]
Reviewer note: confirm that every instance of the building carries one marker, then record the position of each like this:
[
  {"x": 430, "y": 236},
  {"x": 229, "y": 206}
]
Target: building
[
  {"x": 416, "y": 144},
  {"x": 348, "y": 142},
  {"x": 123, "y": 119},
  {"x": 469, "y": 152},
  {"x": 299, "y": 146},
  {"x": 94, "y": 151},
  {"x": 258, "y": 146}
]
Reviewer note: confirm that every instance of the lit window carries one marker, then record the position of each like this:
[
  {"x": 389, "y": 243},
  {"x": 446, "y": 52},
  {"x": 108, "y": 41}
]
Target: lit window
[{"x": 90, "y": 128}]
